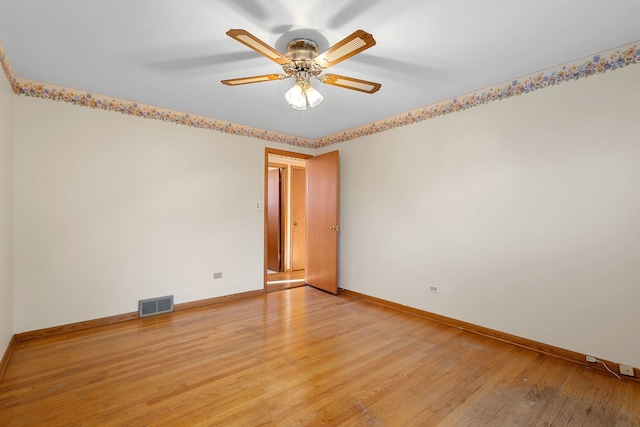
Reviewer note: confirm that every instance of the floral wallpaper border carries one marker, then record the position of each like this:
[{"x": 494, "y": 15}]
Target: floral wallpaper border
[
  {"x": 6, "y": 67},
  {"x": 598, "y": 64},
  {"x": 55, "y": 93}
]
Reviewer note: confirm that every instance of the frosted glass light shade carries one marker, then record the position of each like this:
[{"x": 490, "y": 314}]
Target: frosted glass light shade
[
  {"x": 313, "y": 96},
  {"x": 296, "y": 98}
]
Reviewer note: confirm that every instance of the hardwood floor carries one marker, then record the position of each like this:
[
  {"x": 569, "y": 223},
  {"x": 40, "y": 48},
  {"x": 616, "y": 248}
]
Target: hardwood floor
[
  {"x": 300, "y": 357},
  {"x": 284, "y": 276},
  {"x": 284, "y": 280}
]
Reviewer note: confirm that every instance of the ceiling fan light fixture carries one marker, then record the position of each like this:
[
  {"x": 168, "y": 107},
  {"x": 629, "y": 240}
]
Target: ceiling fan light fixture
[
  {"x": 302, "y": 94},
  {"x": 296, "y": 97}
]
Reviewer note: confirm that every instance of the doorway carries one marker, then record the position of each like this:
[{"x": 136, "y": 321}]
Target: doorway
[{"x": 285, "y": 218}]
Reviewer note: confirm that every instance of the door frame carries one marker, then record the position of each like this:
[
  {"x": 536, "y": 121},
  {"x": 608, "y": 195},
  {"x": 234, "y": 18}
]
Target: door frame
[{"x": 267, "y": 152}]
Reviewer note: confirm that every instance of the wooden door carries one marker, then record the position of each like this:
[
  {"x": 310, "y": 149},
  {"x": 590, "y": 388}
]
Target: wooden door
[
  {"x": 298, "y": 217},
  {"x": 322, "y": 227},
  {"x": 273, "y": 220}
]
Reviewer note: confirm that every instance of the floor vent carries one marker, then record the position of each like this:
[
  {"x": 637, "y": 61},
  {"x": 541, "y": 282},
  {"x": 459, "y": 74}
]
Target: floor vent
[{"x": 151, "y": 306}]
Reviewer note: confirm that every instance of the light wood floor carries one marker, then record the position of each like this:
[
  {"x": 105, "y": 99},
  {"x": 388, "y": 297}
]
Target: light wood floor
[
  {"x": 284, "y": 280},
  {"x": 300, "y": 357}
]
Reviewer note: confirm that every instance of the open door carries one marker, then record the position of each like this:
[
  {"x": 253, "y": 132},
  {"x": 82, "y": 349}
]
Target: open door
[
  {"x": 292, "y": 209},
  {"x": 322, "y": 227},
  {"x": 274, "y": 220}
]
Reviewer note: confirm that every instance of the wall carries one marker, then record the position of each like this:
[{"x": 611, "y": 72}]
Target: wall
[
  {"x": 110, "y": 209},
  {"x": 524, "y": 212},
  {"x": 6, "y": 213}
]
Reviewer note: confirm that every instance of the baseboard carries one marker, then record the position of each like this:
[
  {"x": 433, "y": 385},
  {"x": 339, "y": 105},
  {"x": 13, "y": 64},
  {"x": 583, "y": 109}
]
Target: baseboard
[
  {"x": 551, "y": 350},
  {"x": 71, "y": 327},
  {"x": 217, "y": 300},
  {"x": 7, "y": 355}
]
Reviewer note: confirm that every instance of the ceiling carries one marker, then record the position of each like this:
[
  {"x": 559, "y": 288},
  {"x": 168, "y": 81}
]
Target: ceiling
[{"x": 173, "y": 54}]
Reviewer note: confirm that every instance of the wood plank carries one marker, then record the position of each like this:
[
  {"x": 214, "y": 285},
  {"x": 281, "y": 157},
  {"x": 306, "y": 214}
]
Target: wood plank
[
  {"x": 217, "y": 300},
  {"x": 7, "y": 355},
  {"x": 498, "y": 335},
  {"x": 284, "y": 276},
  {"x": 71, "y": 327},
  {"x": 94, "y": 323},
  {"x": 300, "y": 357}
]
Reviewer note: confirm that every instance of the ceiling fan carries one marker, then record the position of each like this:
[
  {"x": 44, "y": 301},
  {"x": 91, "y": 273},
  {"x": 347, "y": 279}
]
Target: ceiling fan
[{"x": 303, "y": 63}]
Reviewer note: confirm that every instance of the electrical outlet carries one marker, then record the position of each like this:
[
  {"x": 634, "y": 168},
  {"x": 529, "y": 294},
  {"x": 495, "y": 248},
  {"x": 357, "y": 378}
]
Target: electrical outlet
[
  {"x": 217, "y": 275},
  {"x": 434, "y": 288},
  {"x": 626, "y": 370},
  {"x": 591, "y": 359}
]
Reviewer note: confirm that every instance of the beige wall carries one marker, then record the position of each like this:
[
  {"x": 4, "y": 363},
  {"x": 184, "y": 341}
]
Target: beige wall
[
  {"x": 525, "y": 213},
  {"x": 110, "y": 209},
  {"x": 6, "y": 213}
]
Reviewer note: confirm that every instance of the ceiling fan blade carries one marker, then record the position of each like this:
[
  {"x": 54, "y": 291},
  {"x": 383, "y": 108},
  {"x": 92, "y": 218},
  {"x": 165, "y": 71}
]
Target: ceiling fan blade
[
  {"x": 258, "y": 45},
  {"x": 253, "y": 79},
  {"x": 345, "y": 49},
  {"x": 350, "y": 83}
]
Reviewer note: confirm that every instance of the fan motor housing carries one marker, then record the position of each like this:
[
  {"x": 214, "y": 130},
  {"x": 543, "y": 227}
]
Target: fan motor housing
[{"x": 302, "y": 50}]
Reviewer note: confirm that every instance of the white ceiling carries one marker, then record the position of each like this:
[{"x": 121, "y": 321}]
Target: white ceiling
[{"x": 173, "y": 54}]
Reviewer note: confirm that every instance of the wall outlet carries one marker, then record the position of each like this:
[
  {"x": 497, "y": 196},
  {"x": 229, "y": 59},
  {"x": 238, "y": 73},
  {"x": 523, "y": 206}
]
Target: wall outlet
[
  {"x": 591, "y": 359},
  {"x": 627, "y": 370},
  {"x": 434, "y": 288},
  {"x": 217, "y": 275}
]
